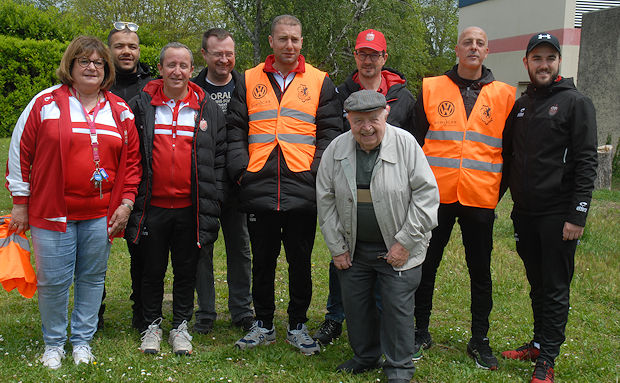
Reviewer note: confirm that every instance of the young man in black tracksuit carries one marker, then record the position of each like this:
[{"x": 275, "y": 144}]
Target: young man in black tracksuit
[
  {"x": 131, "y": 76},
  {"x": 550, "y": 162},
  {"x": 370, "y": 58}
]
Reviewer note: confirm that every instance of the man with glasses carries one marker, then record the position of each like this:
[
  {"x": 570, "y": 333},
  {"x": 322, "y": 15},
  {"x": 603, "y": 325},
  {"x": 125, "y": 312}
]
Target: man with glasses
[
  {"x": 370, "y": 58},
  {"x": 460, "y": 118},
  {"x": 131, "y": 77},
  {"x": 218, "y": 79},
  {"x": 283, "y": 114}
]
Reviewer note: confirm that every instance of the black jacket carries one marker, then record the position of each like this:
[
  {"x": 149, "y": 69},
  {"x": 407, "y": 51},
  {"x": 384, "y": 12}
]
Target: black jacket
[
  {"x": 398, "y": 97},
  {"x": 201, "y": 82},
  {"x": 470, "y": 90},
  {"x": 128, "y": 85},
  {"x": 275, "y": 187},
  {"x": 208, "y": 168},
  {"x": 550, "y": 153}
]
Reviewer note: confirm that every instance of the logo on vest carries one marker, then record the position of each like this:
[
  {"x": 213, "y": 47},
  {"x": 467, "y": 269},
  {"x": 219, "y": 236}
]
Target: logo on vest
[
  {"x": 485, "y": 114},
  {"x": 302, "y": 93},
  {"x": 445, "y": 109},
  {"x": 203, "y": 125},
  {"x": 259, "y": 91},
  {"x": 553, "y": 110}
]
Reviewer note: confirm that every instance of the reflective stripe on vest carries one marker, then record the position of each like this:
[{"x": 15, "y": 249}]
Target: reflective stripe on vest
[
  {"x": 289, "y": 123},
  {"x": 465, "y": 154}
]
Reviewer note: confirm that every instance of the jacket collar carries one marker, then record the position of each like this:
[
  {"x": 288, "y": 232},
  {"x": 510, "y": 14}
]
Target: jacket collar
[{"x": 387, "y": 152}]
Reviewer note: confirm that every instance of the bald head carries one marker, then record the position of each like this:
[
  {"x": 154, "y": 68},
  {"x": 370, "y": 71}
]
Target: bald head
[
  {"x": 473, "y": 30},
  {"x": 471, "y": 50}
]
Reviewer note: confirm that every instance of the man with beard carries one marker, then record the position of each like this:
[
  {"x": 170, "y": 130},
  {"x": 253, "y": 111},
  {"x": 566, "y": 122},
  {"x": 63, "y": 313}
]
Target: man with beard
[
  {"x": 460, "y": 120},
  {"x": 131, "y": 74},
  {"x": 131, "y": 77},
  {"x": 550, "y": 158},
  {"x": 370, "y": 58},
  {"x": 218, "y": 79}
]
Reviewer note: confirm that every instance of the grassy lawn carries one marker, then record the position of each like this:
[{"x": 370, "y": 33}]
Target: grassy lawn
[{"x": 590, "y": 353}]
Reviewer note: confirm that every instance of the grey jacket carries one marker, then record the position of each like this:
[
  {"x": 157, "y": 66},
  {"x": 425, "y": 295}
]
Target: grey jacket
[{"x": 404, "y": 191}]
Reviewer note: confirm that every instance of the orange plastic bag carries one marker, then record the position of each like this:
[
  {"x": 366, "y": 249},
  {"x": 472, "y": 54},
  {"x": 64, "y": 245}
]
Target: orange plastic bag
[{"x": 15, "y": 268}]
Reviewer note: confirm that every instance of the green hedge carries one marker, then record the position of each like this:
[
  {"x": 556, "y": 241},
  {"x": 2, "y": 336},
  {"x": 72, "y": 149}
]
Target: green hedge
[
  {"x": 28, "y": 67},
  {"x": 27, "y": 21}
]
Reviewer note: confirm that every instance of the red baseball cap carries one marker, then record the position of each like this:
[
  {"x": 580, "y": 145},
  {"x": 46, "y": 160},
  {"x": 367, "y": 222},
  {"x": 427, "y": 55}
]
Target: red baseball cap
[{"x": 371, "y": 39}]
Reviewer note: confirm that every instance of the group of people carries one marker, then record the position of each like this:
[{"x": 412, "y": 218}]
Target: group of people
[{"x": 163, "y": 162}]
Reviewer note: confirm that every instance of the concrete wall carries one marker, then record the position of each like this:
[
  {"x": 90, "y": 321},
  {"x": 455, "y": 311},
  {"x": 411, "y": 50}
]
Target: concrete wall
[
  {"x": 599, "y": 69},
  {"x": 509, "y": 25}
]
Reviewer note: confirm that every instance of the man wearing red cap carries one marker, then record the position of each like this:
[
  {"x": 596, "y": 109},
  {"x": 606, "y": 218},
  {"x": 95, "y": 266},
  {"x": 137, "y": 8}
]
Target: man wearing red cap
[{"x": 370, "y": 58}]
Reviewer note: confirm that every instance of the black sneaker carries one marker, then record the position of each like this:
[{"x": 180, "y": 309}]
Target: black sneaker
[
  {"x": 423, "y": 341},
  {"x": 245, "y": 323},
  {"x": 482, "y": 353},
  {"x": 328, "y": 331},
  {"x": 203, "y": 326}
]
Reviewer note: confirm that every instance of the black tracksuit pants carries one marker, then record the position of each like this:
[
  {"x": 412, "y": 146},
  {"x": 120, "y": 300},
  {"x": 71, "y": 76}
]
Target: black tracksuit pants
[
  {"x": 296, "y": 230},
  {"x": 477, "y": 233},
  {"x": 549, "y": 264},
  {"x": 169, "y": 231}
]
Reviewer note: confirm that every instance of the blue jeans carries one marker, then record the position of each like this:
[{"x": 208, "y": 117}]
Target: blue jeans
[{"x": 80, "y": 254}]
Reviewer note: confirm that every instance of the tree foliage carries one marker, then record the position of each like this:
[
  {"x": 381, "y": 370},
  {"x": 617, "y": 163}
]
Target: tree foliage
[{"x": 421, "y": 35}]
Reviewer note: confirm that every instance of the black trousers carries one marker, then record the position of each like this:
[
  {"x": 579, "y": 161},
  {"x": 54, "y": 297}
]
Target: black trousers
[
  {"x": 135, "y": 271},
  {"x": 477, "y": 234},
  {"x": 296, "y": 230},
  {"x": 549, "y": 265},
  {"x": 168, "y": 231}
]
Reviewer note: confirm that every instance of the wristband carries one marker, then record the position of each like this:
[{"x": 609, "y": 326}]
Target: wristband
[{"x": 129, "y": 206}]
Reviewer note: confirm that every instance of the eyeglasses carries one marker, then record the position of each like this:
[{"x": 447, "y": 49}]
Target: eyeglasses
[
  {"x": 120, "y": 25},
  {"x": 84, "y": 62},
  {"x": 374, "y": 57},
  {"x": 221, "y": 55}
]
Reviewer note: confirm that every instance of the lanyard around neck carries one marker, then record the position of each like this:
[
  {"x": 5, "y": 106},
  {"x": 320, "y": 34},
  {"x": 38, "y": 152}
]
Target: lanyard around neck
[{"x": 94, "y": 142}]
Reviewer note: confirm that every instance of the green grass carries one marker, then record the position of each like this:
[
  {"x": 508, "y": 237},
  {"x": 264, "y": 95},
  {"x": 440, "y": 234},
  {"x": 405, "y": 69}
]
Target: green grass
[{"x": 590, "y": 353}]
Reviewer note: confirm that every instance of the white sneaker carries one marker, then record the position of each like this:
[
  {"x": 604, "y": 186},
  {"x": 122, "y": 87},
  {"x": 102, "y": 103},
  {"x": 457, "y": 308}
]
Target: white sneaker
[
  {"x": 52, "y": 357},
  {"x": 83, "y": 354},
  {"x": 299, "y": 338},
  {"x": 256, "y": 336},
  {"x": 180, "y": 340},
  {"x": 151, "y": 338}
]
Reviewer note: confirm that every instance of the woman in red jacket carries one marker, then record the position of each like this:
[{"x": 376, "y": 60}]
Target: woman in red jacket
[{"x": 73, "y": 171}]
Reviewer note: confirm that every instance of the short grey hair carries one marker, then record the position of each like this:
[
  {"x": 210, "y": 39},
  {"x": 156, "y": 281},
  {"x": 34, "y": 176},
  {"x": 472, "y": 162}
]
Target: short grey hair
[{"x": 174, "y": 44}]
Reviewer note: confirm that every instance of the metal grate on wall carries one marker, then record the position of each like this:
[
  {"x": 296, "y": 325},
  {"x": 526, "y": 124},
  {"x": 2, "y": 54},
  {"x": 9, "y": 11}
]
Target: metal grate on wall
[{"x": 586, "y": 6}]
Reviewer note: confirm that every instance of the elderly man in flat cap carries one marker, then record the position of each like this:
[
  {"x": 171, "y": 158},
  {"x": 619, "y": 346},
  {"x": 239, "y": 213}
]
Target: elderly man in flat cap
[{"x": 377, "y": 204}]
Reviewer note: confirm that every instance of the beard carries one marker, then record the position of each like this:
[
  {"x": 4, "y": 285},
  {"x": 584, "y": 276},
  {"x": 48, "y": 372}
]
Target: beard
[{"x": 542, "y": 83}]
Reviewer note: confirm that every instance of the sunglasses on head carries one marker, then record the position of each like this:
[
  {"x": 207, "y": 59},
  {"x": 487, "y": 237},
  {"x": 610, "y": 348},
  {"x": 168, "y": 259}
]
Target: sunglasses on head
[{"x": 120, "y": 25}]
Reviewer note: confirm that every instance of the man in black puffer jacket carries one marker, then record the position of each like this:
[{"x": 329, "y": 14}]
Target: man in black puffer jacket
[
  {"x": 282, "y": 116},
  {"x": 183, "y": 137},
  {"x": 550, "y": 164},
  {"x": 370, "y": 58}
]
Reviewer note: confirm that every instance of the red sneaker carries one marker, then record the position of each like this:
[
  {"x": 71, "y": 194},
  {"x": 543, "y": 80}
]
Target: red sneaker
[
  {"x": 525, "y": 352},
  {"x": 543, "y": 373}
]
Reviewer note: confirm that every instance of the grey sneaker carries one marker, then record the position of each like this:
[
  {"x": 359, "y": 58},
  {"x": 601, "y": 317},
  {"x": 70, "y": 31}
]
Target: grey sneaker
[
  {"x": 83, "y": 354},
  {"x": 258, "y": 335},
  {"x": 299, "y": 338},
  {"x": 52, "y": 357},
  {"x": 151, "y": 338},
  {"x": 180, "y": 340}
]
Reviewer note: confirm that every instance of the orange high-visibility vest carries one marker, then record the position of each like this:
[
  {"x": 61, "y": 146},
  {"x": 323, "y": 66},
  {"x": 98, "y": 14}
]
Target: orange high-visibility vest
[
  {"x": 466, "y": 154},
  {"x": 289, "y": 123},
  {"x": 15, "y": 268}
]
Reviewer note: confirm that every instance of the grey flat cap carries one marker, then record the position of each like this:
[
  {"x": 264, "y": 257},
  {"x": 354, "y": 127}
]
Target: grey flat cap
[{"x": 364, "y": 101}]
